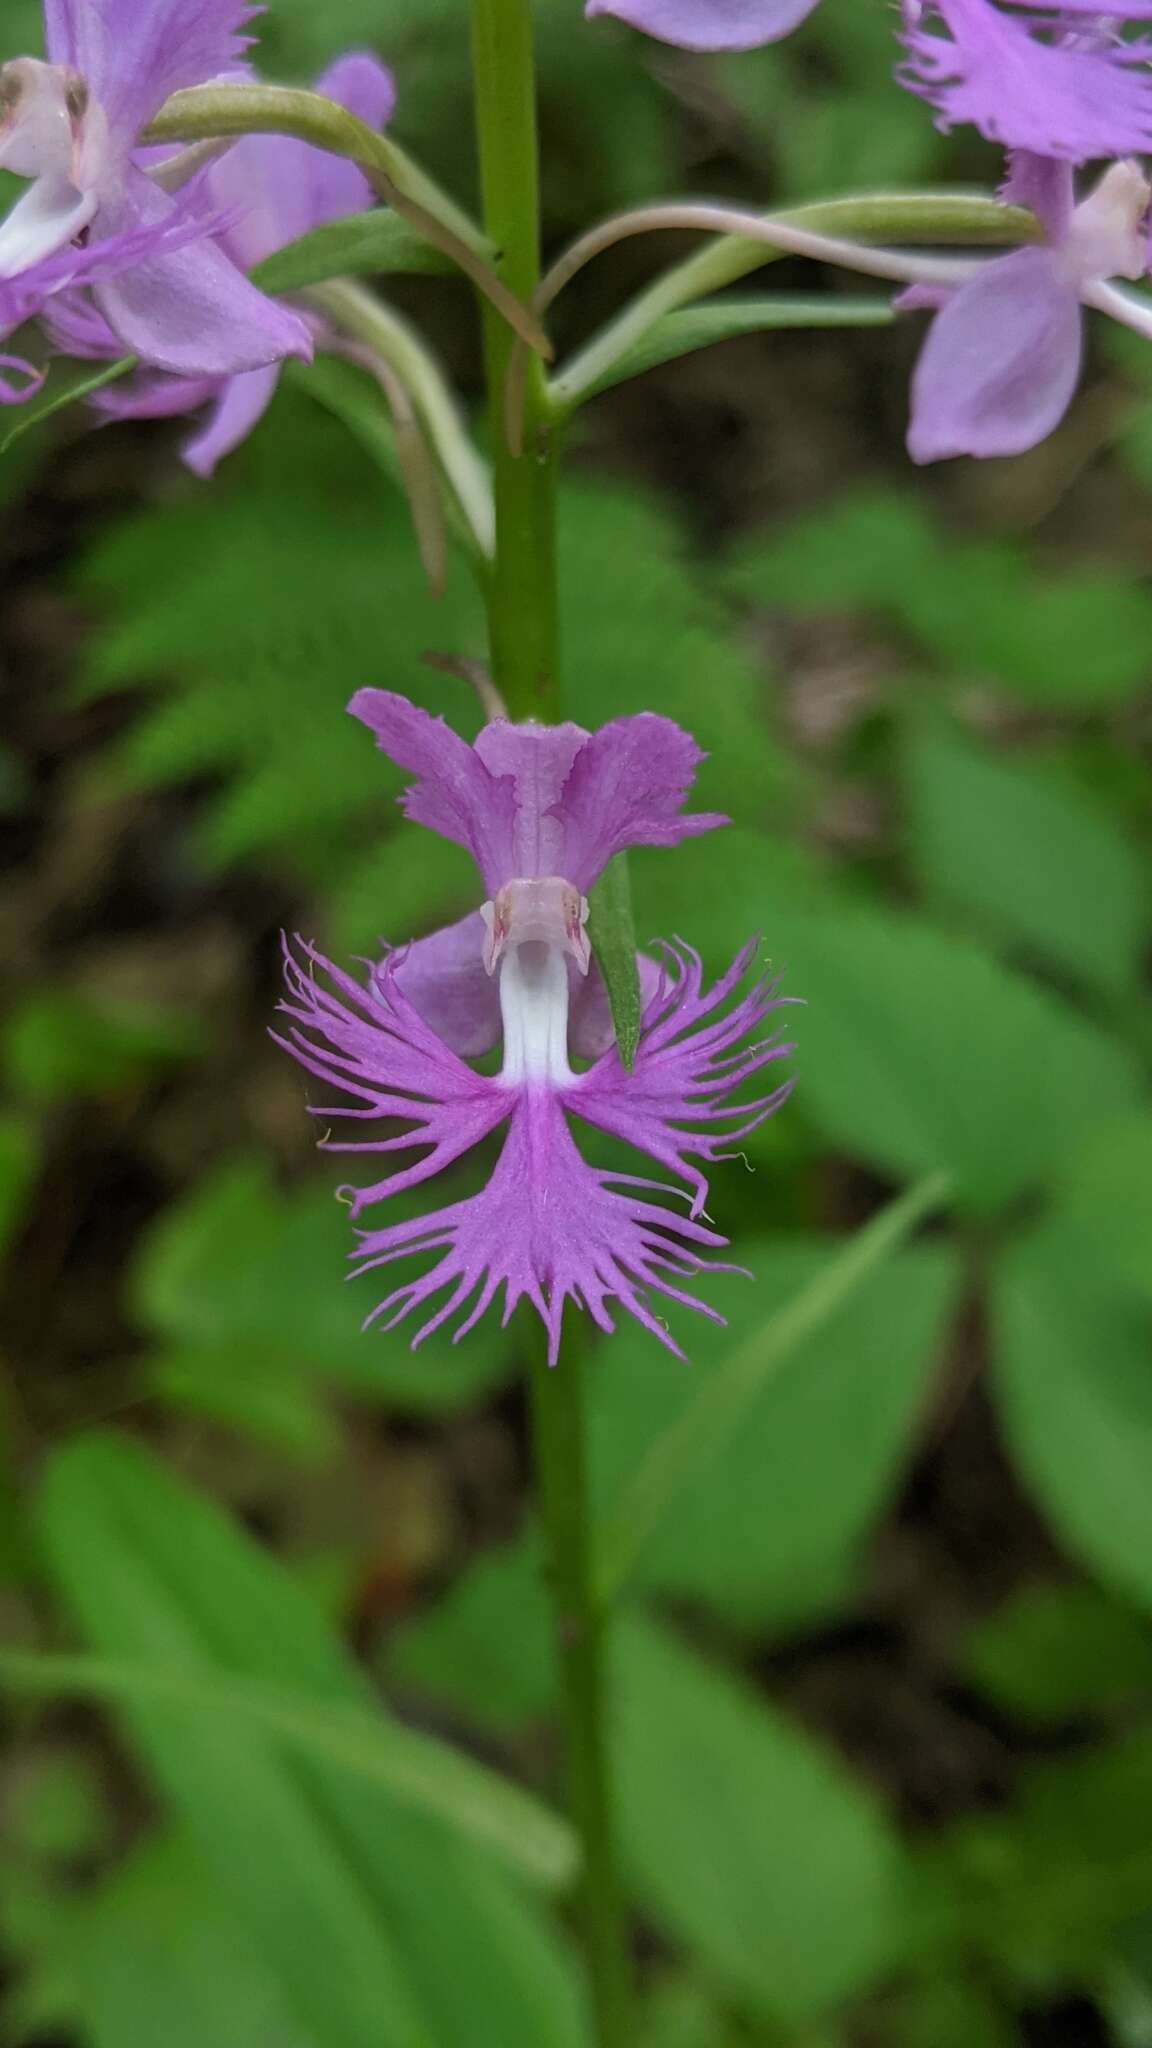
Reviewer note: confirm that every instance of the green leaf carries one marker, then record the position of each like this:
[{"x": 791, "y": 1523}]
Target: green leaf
[
  {"x": 680, "y": 334},
  {"x": 418, "y": 1771},
  {"x": 391, "y": 892},
  {"x": 1072, "y": 1357},
  {"x": 294, "y": 571},
  {"x": 65, "y": 385},
  {"x": 240, "y": 1286},
  {"x": 859, "y": 552},
  {"x": 60, "y": 1044},
  {"x": 1078, "y": 639},
  {"x": 1041, "y": 869},
  {"x": 985, "y": 611},
  {"x": 345, "y": 1889},
  {"x": 1056, "y": 1652},
  {"x": 487, "y": 1645},
  {"x": 363, "y": 244},
  {"x": 719, "y": 1467},
  {"x": 157, "y": 1956},
  {"x": 745, "y": 1841},
  {"x": 681, "y": 2014},
  {"x": 612, "y": 931},
  {"x": 918, "y": 1053},
  {"x": 951, "y": 2012},
  {"x": 1104, "y": 1194}
]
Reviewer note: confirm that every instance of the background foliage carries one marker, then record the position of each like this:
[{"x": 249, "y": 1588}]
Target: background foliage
[{"x": 885, "y": 1691}]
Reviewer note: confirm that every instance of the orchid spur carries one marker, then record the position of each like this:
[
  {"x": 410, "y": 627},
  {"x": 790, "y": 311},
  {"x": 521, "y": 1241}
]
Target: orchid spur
[{"x": 542, "y": 809}]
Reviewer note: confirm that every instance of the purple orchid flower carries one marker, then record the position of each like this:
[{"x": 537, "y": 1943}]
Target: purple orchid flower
[
  {"x": 72, "y": 126},
  {"x": 709, "y": 24},
  {"x": 1051, "y": 76},
  {"x": 271, "y": 189},
  {"x": 1002, "y": 358},
  {"x": 541, "y": 809}
]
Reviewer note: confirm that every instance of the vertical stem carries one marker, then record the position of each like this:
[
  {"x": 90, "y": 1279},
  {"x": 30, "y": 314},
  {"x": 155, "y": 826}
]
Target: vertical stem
[
  {"x": 557, "y": 1399},
  {"x": 522, "y": 598},
  {"x": 522, "y": 625}
]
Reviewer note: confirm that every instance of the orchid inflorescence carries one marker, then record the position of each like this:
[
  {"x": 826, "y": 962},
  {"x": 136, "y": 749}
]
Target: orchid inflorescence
[
  {"x": 121, "y": 249},
  {"x": 134, "y": 247}
]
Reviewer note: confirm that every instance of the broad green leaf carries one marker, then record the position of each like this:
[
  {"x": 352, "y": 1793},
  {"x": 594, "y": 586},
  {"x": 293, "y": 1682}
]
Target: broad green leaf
[
  {"x": 278, "y": 1866},
  {"x": 612, "y": 931},
  {"x": 271, "y": 1397},
  {"x": 241, "y": 1287},
  {"x": 681, "y": 2014},
  {"x": 745, "y": 1840},
  {"x": 724, "y": 889},
  {"x": 1073, "y": 1374},
  {"x": 416, "y": 1770},
  {"x": 858, "y": 553},
  {"x": 1080, "y": 1858},
  {"x": 951, "y": 2012},
  {"x": 1024, "y": 854},
  {"x": 1057, "y": 1652},
  {"x": 59, "y": 1044},
  {"x": 487, "y": 1644},
  {"x": 747, "y": 1479},
  {"x": 1077, "y": 639},
  {"x": 1104, "y": 1193},
  {"x": 156, "y": 1956},
  {"x": 345, "y": 1889},
  {"x": 696, "y": 327},
  {"x": 918, "y": 1052},
  {"x": 362, "y": 244},
  {"x": 66, "y": 385},
  {"x": 399, "y": 889},
  {"x": 985, "y": 611},
  {"x": 296, "y": 570}
]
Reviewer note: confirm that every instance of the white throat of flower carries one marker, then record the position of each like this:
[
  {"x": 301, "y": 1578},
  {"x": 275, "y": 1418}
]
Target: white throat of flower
[
  {"x": 534, "y": 925},
  {"x": 49, "y": 132}
]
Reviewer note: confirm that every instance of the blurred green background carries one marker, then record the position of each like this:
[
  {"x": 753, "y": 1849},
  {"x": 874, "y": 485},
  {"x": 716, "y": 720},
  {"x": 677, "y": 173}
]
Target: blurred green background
[{"x": 884, "y": 1707}]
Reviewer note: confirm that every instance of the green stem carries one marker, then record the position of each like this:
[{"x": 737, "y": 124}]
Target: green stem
[
  {"x": 522, "y": 602},
  {"x": 522, "y": 626},
  {"x": 557, "y": 1400}
]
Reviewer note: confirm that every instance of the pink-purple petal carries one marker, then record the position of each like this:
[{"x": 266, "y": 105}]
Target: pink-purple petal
[
  {"x": 709, "y": 24},
  {"x": 191, "y": 310},
  {"x": 1000, "y": 364},
  {"x": 537, "y": 759},
  {"x": 625, "y": 788},
  {"x": 1075, "y": 97},
  {"x": 446, "y": 982},
  {"x": 548, "y": 1227},
  {"x": 134, "y": 53},
  {"x": 236, "y": 408},
  {"x": 693, "y": 1053},
  {"x": 453, "y": 793}
]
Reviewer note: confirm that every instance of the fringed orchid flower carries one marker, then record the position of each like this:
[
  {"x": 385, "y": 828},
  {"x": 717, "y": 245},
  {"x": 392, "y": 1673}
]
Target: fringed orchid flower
[
  {"x": 72, "y": 125},
  {"x": 542, "y": 809},
  {"x": 1002, "y": 358}
]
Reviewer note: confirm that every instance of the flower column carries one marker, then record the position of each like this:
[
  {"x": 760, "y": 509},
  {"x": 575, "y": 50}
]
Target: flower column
[{"x": 522, "y": 631}]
